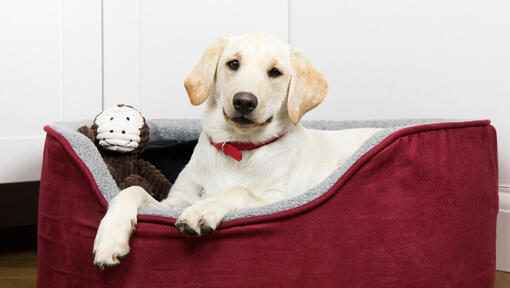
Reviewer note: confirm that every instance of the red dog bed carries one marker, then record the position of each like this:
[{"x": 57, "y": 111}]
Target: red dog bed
[{"x": 414, "y": 207}]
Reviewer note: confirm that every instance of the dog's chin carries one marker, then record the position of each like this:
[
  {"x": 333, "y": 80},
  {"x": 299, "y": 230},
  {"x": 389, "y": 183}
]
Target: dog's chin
[{"x": 244, "y": 123}]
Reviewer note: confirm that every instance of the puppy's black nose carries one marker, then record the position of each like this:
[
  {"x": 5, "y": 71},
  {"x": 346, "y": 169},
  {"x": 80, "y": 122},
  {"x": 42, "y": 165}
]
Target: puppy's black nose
[{"x": 244, "y": 102}]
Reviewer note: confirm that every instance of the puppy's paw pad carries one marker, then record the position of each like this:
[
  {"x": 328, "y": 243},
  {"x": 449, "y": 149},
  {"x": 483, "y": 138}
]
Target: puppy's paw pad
[
  {"x": 103, "y": 264},
  {"x": 204, "y": 228},
  {"x": 184, "y": 229},
  {"x": 203, "y": 217},
  {"x": 102, "y": 259}
]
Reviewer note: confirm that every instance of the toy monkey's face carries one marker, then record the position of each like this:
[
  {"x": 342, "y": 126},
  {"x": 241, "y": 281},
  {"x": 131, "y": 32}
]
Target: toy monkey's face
[{"x": 118, "y": 128}]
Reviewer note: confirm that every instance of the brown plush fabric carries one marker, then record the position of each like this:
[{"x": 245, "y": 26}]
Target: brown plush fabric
[{"x": 129, "y": 170}]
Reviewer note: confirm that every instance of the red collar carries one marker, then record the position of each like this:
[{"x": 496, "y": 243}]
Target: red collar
[{"x": 233, "y": 149}]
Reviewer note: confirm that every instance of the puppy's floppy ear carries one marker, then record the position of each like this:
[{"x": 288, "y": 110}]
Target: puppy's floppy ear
[
  {"x": 308, "y": 87},
  {"x": 200, "y": 81}
]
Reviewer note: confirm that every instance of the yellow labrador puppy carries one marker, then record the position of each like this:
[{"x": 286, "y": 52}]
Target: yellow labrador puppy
[{"x": 253, "y": 149}]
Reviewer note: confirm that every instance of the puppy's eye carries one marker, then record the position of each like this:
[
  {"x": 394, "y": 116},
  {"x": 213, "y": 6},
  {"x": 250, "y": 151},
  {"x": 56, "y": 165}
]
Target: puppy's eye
[
  {"x": 127, "y": 118},
  {"x": 111, "y": 118},
  {"x": 274, "y": 73},
  {"x": 233, "y": 65}
]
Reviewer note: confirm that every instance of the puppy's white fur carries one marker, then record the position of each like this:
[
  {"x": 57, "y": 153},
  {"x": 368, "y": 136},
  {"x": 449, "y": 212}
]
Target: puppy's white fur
[{"x": 213, "y": 184}]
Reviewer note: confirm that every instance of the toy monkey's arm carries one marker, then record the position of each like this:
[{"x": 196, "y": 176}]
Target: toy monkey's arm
[
  {"x": 135, "y": 180},
  {"x": 87, "y": 132},
  {"x": 160, "y": 185}
]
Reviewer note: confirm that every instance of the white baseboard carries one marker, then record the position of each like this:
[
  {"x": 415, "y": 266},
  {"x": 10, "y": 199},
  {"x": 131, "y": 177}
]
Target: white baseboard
[{"x": 503, "y": 232}]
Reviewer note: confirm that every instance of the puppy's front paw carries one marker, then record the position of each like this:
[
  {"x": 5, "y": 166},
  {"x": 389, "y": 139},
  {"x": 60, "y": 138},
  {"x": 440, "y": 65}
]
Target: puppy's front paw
[
  {"x": 112, "y": 239},
  {"x": 200, "y": 219}
]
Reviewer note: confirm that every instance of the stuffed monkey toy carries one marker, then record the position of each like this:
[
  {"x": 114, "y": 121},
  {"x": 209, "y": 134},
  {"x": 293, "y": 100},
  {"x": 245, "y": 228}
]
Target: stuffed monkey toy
[{"x": 121, "y": 134}]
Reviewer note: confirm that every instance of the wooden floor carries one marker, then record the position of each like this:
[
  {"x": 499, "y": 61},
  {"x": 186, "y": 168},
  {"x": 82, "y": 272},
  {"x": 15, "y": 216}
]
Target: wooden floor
[
  {"x": 18, "y": 257},
  {"x": 18, "y": 269},
  {"x": 502, "y": 280},
  {"x": 18, "y": 263}
]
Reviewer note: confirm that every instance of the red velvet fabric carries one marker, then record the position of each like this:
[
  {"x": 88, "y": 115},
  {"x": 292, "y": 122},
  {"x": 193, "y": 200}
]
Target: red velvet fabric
[{"x": 418, "y": 210}]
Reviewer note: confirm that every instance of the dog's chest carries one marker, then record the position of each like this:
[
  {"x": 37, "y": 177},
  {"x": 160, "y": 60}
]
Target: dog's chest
[{"x": 262, "y": 169}]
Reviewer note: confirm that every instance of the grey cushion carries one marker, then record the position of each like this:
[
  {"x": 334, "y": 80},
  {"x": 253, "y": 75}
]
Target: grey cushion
[{"x": 185, "y": 130}]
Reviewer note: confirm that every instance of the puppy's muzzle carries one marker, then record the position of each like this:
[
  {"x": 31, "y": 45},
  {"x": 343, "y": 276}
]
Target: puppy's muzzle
[{"x": 244, "y": 102}]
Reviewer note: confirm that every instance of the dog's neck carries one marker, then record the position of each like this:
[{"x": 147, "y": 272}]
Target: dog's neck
[{"x": 234, "y": 149}]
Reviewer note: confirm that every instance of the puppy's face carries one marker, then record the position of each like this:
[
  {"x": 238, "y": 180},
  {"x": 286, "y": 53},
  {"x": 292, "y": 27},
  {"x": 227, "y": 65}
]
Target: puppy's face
[
  {"x": 254, "y": 83},
  {"x": 252, "y": 80}
]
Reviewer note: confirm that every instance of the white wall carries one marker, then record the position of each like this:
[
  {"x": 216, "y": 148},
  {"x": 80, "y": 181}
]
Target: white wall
[{"x": 49, "y": 70}]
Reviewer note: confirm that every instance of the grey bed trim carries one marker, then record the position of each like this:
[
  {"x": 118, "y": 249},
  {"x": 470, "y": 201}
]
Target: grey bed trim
[{"x": 184, "y": 130}]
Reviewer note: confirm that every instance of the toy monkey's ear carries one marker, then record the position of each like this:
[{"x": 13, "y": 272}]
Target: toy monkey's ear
[
  {"x": 199, "y": 83},
  {"x": 87, "y": 132}
]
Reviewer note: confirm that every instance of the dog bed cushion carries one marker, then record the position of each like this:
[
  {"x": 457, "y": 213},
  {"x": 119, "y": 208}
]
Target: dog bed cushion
[{"x": 414, "y": 206}]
